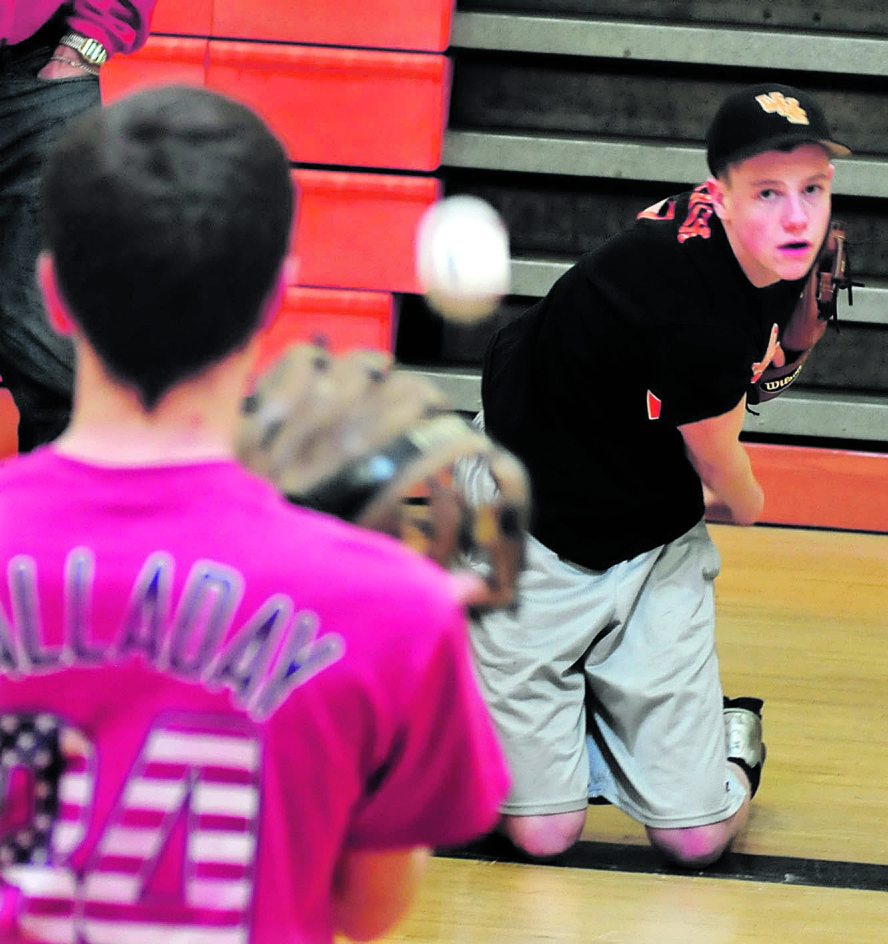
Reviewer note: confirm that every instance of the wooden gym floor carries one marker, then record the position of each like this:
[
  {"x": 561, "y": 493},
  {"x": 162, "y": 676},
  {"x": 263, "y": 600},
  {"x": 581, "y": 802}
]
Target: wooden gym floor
[{"x": 803, "y": 623}]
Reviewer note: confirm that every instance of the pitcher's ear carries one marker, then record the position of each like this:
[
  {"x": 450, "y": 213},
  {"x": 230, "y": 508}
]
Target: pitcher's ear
[{"x": 716, "y": 189}]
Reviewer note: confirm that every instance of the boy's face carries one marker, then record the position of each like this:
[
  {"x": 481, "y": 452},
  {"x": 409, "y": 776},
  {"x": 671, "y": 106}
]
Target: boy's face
[{"x": 775, "y": 208}]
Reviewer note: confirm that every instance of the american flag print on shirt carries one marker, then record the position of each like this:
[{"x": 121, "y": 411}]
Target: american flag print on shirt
[
  {"x": 175, "y": 859},
  {"x": 35, "y": 750}
]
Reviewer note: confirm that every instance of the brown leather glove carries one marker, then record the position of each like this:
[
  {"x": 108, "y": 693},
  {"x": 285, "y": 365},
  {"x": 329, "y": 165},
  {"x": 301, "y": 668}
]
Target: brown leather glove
[
  {"x": 807, "y": 324},
  {"x": 352, "y": 436}
]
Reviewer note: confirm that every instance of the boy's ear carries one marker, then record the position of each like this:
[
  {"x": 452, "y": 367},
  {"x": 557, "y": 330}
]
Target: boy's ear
[
  {"x": 291, "y": 270},
  {"x": 285, "y": 278},
  {"x": 56, "y": 310},
  {"x": 717, "y": 192}
]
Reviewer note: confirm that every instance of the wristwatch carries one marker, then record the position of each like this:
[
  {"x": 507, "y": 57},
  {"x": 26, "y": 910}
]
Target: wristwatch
[{"x": 91, "y": 50}]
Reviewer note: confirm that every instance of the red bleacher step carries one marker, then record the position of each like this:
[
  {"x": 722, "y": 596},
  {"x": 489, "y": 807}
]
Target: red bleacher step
[
  {"x": 356, "y": 231},
  {"x": 162, "y": 59},
  {"x": 343, "y": 320},
  {"x": 185, "y": 17},
  {"x": 351, "y": 107},
  {"x": 389, "y": 24}
]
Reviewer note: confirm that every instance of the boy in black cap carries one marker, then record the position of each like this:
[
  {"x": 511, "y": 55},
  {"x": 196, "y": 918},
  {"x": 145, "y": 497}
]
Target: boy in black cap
[{"x": 624, "y": 392}]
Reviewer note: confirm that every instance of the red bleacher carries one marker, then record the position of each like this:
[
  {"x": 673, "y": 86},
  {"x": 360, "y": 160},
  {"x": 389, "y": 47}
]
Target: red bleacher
[
  {"x": 421, "y": 25},
  {"x": 359, "y": 90},
  {"x": 347, "y": 107},
  {"x": 162, "y": 59},
  {"x": 357, "y": 107},
  {"x": 341, "y": 320},
  {"x": 186, "y": 17},
  {"x": 357, "y": 230}
]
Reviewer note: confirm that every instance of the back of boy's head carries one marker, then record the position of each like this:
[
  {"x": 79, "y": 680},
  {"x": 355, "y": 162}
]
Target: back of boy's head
[{"x": 168, "y": 215}]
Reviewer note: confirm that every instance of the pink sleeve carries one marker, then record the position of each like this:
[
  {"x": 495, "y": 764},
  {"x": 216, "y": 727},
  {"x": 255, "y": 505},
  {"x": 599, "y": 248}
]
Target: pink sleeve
[
  {"x": 446, "y": 775},
  {"x": 121, "y": 26}
]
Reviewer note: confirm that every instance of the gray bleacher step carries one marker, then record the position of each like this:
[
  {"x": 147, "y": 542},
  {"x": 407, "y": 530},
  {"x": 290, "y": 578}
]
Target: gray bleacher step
[
  {"x": 728, "y": 46},
  {"x": 824, "y": 415},
  {"x": 628, "y": 159}
]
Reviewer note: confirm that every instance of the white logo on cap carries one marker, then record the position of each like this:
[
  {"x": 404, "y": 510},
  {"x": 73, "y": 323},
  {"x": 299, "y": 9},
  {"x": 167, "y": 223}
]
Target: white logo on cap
[{"x": 788, "y": 108}]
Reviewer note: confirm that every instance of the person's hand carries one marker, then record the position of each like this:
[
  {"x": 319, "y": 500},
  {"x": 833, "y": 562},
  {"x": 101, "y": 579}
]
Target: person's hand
[
  {"x": 72, "y": 68},
  {"x": 774, "y": 356},
  {"x": 716, "y": 509},
  {"x": 470, "y": 589}
]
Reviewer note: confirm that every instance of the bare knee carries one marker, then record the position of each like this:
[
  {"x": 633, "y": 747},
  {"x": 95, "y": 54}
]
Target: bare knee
[
  {"x": 694, "y": 847},
  {"x": 547, "y": 835}
]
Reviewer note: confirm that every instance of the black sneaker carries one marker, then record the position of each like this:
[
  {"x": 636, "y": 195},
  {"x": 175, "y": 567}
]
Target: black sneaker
[{"x": 743, "y": 737}]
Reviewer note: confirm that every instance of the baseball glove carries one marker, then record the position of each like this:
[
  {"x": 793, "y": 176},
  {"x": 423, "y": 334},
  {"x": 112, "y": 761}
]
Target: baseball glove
[
  {"x": 815, "y": 309},
  {"x": 351, "y": 436}
]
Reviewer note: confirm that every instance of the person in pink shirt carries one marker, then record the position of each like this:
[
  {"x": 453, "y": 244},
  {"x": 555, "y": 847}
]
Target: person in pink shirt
[
  {"x": 51, "y": 53},
  {"x": 223, "y": 719}
]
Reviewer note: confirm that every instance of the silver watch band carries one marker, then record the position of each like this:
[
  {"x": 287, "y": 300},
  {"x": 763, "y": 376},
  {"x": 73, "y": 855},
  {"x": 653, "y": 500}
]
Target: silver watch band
[{"x": 91, "y": 50}]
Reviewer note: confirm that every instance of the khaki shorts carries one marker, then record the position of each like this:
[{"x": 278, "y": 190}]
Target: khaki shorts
[{"x": 606, "y": 683}]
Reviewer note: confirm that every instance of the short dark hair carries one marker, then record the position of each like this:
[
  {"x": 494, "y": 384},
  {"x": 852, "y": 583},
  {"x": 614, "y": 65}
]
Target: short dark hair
[{"x": 168, "y": 215}]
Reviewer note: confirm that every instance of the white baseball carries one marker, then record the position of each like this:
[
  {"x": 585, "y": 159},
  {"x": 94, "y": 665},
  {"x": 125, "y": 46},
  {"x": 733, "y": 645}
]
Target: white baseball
[{"x": 462, "y": 258}]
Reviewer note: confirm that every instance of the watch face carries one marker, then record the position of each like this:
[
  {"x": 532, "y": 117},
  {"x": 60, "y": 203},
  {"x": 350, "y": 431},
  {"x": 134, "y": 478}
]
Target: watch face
[{"x": 91, "y": 50}]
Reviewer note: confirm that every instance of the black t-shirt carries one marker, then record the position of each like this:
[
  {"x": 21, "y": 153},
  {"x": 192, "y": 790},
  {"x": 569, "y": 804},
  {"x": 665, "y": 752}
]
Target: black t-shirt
[{"x": 656, "y": 328}]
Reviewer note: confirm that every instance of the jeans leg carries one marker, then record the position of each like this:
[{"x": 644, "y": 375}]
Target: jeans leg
[{"x": 35, "y": 362}]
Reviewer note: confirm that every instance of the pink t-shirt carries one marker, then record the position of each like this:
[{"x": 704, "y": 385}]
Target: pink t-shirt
[{"x": 206, "y": 694}]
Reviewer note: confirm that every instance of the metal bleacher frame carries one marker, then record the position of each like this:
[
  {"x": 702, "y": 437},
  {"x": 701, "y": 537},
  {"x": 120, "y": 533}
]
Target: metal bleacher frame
[{"x": 806, "y": 413}]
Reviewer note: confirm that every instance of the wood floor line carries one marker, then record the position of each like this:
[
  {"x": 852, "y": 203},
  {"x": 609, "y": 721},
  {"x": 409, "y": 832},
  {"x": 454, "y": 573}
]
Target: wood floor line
[{"x": 620, "y": 857}]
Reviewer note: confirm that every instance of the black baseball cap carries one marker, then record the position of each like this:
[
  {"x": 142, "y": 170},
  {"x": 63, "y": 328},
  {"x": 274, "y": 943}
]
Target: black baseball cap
[{"x": 766, "y": 117}]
